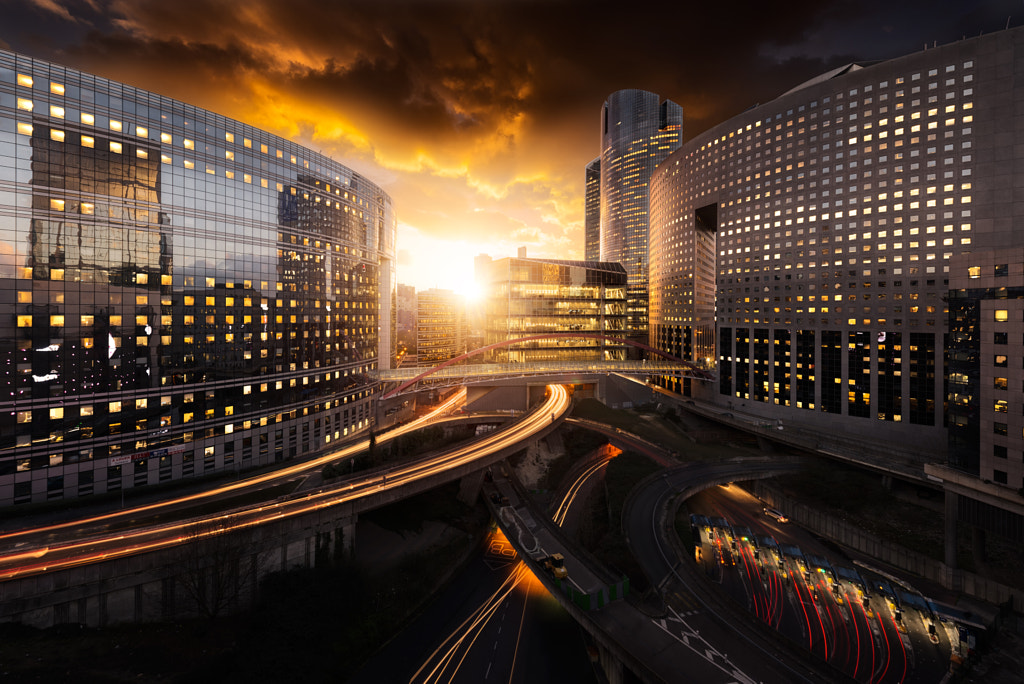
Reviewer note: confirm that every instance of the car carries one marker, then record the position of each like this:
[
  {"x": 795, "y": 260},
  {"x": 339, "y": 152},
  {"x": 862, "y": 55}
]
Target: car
[{"x": 772, "y": 513}]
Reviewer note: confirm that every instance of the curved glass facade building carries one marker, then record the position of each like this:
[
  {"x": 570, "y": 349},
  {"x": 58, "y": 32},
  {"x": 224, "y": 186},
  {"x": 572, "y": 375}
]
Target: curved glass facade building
[
  {"x": 803, "y": 247},
  {"x": 182, "y": 294},
  {"x": 636, "y": 134}
]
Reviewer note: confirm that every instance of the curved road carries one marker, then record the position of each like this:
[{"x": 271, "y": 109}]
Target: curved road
[
  {"x": 732, "y": 647},
  {"x": 79, "y": 543}
]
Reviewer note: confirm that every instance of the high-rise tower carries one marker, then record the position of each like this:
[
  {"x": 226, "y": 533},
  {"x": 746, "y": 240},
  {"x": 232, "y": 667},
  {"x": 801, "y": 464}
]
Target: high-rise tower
[
  {"x": 637, "y": 133},
  {"x": 592, "y": 212}
]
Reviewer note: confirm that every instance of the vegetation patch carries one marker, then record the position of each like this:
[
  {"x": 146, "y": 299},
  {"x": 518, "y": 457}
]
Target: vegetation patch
[{"x": 603, "y": 535}]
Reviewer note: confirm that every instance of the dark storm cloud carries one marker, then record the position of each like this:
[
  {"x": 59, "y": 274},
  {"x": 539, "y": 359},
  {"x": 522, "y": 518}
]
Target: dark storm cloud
[{"x": 478, "y": 116}]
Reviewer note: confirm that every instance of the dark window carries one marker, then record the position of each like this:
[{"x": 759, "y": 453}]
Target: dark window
[
  {"x": 999, "y": 428},
  {"x": 999, "y": 476},
  {"x": 1001, "y": 338},
  {"x": 999, "y": 451}
]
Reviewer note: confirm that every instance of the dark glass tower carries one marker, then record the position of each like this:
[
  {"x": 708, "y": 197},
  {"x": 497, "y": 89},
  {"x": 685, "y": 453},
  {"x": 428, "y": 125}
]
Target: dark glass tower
[{"x": 637, "y": 133}]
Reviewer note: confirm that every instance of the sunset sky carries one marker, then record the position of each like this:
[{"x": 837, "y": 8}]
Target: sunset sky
[{"x": 476, "y": 116}]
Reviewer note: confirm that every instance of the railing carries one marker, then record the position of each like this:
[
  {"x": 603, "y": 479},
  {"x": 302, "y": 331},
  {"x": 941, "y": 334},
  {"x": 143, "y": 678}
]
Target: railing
[{"x": 648, "y": 367}]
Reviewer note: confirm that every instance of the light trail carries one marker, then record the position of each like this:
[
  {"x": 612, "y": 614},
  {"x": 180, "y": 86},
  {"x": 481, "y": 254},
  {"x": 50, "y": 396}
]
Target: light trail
[
  {"x": 252, "y": 482},
  {"x": 465, "y": 636},
  {"x": 125, "y": 543}
]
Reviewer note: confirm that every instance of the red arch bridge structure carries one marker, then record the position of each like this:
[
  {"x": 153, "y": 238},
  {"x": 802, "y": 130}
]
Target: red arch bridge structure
[{"x": 456, "y": 372}]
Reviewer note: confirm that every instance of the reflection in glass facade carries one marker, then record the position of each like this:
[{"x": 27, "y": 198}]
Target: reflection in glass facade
[
  {"x": 637, "y": 133},
  {"x": 181, "y": 293}
]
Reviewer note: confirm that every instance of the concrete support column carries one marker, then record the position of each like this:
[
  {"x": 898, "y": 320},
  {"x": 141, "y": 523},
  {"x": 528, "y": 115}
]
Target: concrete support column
[
  {"x": 612, "y": 666},
  {"x": 978, "y": 545},
  {"x": 953, "y": 579},
  {"x": 469, "y": 487}
]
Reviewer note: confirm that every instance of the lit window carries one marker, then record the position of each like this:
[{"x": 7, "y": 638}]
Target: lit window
[
  {"x": 25, "y": 80},
  {"x": 141, "y": 132},
  {"x": 25, "y": 128},
  {"x": 57, "y": 88},
  {"x": 56, "y": 413},
  {"x": 88, "y": 119},
  {"x": 86, "y": 208},
  {"x": 230, "y": 137},
  {"x": 24, "y": 104},
  {"x": 115, "y": 125},
  {"x": 141, "y": 153},
  {"x": 1001, "y": 315},
  {"x": 189, "y": 145},
  {"x": 114, "y": 407},
  {"x": 56, "y": 135},
  {"x": 165, "y": 138},
  {"x": 56, "y": 112},
  {"x": 57, "y": 204},
  {"x": 88, "y": 141},
  {"x": 228, "y": 154},
  {"x": 190, "y": 164},
  {"x": 115, "y": 147},
  {"x": 247, "y": 143}
]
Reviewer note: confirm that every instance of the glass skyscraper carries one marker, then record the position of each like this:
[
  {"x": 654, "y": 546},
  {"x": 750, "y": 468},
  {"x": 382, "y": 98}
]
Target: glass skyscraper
[
  {"x": 592, "y": 212},
  {"x": 182, "y": 294},
  {"x": 637, "y": 133}
]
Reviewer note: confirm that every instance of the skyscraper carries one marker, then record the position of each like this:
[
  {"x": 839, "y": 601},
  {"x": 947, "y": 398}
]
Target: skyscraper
[
  {"x": 592, "y": 212},
  {"x": 637, "y": 133},
  {"x": 183, "y": 294}
]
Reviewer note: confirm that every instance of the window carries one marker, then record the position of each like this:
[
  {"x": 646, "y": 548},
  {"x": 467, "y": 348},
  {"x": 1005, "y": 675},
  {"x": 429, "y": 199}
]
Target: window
[
  {"x": 999, "y": 451},
  {"x": 999, "y": 383},
  {"x": 999, "y": 361},
  {"x": 1002, "y": 315},
  {"x": 1001, "y": 338},
  {"x": 999, "y": 428},
  {"x": 1002, "y": 269},
  {"x": 999, "y": 476}
]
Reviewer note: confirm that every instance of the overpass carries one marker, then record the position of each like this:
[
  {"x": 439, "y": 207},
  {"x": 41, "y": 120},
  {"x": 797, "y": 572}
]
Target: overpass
[
  {"x": 455, "y": 371},
  {"x": 140, "y": 564}
]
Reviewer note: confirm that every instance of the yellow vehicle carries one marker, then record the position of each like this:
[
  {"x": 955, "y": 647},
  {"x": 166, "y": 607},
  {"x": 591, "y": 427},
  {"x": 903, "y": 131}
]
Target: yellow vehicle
[{"x": 555, "y": 564}]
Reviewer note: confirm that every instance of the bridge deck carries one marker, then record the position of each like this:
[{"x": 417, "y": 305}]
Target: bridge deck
[{"x": 484, "y": 370}]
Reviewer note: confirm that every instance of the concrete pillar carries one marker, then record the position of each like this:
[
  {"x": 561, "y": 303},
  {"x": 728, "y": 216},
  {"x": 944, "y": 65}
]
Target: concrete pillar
[
  {"x": 612, "y": 666},
  {"x": 978, "y": 545},
  {"x": 953, "y": 579},
  {"x": 951, "y": 528},
  {"x": 469, "y": 487}
]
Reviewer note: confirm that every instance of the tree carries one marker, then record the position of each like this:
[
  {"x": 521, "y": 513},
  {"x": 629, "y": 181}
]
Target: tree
[{"x": 217, "y": 568}]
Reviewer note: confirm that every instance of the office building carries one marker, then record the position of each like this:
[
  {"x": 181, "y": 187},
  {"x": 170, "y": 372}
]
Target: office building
[
  {"x": 440, "y": 326},
  {"x": 184, "y": 294},
  {"x": 637, "y": 133},
  {"x": 820, "y": 252},
  {"x": 592, "y": 212},
  {"x": 527, "y": 297}
]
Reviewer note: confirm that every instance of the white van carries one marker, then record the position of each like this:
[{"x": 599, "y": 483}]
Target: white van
[{"x": 772, "y": 513}]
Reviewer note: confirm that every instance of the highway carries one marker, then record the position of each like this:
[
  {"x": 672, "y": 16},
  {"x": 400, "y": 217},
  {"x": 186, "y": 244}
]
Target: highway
[
  {"x": 813, "y": 594},
  {"x": 494, "y": 621},
  {"x": 145, "y": 528},
  {"x": 725, "y": 649}
]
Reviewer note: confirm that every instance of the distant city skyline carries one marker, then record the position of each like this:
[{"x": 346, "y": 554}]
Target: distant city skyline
[{"x": 477, "y": 118}]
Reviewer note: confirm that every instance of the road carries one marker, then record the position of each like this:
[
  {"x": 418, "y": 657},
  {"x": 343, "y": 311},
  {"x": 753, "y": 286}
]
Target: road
[
  {"x": 494, "y": 622},
  {"x": 725, "y": 649},
  {"x": 853, "y": 619},
  {"x": 75, "y": 543}
]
